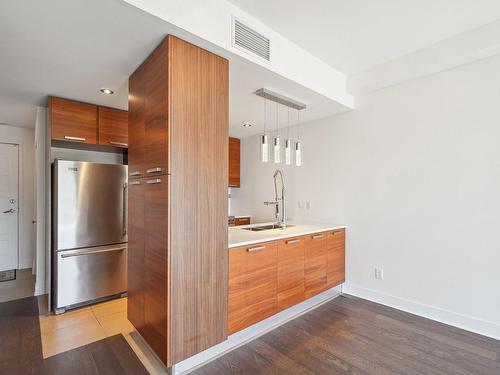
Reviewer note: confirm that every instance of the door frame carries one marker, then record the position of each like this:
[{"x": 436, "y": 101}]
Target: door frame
[{"x": 20, "y": 210}]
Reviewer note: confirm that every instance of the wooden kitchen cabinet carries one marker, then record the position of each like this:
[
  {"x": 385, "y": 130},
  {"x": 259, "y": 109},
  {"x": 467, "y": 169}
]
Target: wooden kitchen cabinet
[
  {"x": 113, "y": 127},
  {"x": 234, "y": 162},
  {"x": 73, "y": 121},
  {"x": 335, "y": 244},
  {"x": 135, "y": 258},
  {"x": 253, "y": 284},
  {"x": 242, "y": 220},
  {"x": 291, "y": 287},
  {"x": 178, "y": 119},
  {"x": 316, "y": 264}
]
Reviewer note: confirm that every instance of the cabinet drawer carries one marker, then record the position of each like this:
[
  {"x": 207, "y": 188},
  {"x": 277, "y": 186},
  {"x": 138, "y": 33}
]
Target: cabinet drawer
[
  {"x": 335, "y": 239},
  {"x": 113, "y": 127},
  {"x": 290, "y": 272},
  {"x": 316, "y": 262},
  {"x": 252, "y": 284},
  {"x": 73, "y": 121}
]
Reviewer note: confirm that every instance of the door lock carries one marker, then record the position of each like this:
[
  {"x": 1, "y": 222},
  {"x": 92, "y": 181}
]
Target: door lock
[{"x": 12, "y": 201}]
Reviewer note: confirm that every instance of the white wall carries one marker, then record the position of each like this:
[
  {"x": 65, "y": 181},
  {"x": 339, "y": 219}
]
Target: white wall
[
  {"x": 25, "y": 137},
  {"x": 414, "y": 172}
]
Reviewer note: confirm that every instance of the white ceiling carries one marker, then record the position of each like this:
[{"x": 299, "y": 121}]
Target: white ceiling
[
  {"x": 355, "y": 35},
  {"x": 73, "y": 48}
]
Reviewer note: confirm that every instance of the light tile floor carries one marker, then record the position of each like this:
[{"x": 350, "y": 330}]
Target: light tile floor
[{"x": 80, "y": 327}]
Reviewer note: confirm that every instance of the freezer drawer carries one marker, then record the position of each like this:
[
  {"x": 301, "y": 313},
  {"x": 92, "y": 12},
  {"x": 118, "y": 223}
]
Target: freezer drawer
[{"x": 83, "y": 275}]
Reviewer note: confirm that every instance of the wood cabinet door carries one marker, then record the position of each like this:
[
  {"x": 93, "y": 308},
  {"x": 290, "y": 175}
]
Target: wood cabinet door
[
  {"x": 73, "y": 121},
  {"x": 291, "y": 287},
  {"x": 253, "y": 284},
  {"x": 234, "y": 162},
  {"x": 136, "y": 121},
  {"x": 156, "y": 138},
  {"x": 113, "y": 127},
  {"x": 335, "y": 241},
  {"x": 135, "y": 300},
  {"x": 241, "y": 221},
  {"x": 316, "y": 261},
  {"x": 156, "y": 312}
]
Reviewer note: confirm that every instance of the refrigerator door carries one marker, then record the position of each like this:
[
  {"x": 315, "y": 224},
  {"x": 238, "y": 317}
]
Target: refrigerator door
[{"x": 89, "y": 204}]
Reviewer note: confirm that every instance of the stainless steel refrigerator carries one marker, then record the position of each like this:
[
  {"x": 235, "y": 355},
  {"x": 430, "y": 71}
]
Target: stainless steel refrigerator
[{"x": 89, "y": 232}]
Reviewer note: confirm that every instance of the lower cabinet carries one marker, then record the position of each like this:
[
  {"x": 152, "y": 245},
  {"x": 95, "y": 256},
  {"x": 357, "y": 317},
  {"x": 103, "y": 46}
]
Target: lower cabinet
[
  {"x": 335, "y": 243},
  {"x": 253, "y": 284},
  {"x": 316, "y": 264},
  {"x": 269, "y": 277},
  {"x": 290, "y": 272}
]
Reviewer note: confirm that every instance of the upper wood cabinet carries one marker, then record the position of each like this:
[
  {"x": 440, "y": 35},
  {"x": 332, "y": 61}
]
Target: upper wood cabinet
[
  {"x": 290, "y": 272},
  {"x": 113, "y": 127},
  {"x": 335, "y": 244},
  {"x": 242, "y": 220},
  {"x": 178, "y": 141},
  {"x": 253, "y": 284},
  {"x": 234, "y": 162},
  {"x": 73, "y": 121},
  {"x": 78, "y": 122}
]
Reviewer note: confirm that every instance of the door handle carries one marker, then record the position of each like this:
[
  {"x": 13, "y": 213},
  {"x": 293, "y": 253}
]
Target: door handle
[
  {"x": 11, "y": 211},
  {"x": 125, "y": 210}
]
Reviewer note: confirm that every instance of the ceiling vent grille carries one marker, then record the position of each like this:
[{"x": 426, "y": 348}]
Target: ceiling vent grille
[{"x": 251, "y": 41}]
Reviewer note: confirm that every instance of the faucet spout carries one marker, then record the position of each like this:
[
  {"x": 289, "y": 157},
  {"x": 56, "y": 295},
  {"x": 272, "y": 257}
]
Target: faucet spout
[{"x": 279, "y": 201}]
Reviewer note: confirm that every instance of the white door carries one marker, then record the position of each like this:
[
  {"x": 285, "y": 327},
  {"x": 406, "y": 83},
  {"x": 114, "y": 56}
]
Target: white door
[{"x": 9, "y": 182}]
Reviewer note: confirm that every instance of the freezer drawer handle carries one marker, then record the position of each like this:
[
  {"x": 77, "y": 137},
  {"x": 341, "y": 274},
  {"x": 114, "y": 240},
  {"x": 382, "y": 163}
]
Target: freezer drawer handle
[
  {"x": 114, "y": 143},
  {"x": 92, "y": 252},
  {"x": 155, "y": 181},
  {"x": 154, "y": 170},
  {"x": 78, "y": 139}
]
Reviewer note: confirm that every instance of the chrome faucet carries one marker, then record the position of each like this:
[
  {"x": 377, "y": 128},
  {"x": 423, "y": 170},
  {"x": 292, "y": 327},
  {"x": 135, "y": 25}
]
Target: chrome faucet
[{"x": 280, "y": 212}]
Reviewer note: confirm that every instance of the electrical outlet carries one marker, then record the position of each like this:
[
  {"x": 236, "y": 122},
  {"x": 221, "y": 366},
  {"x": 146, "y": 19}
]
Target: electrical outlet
[
  {"x": 301, "y": 204},
  {"x": 308, "y": 205},
  {"x": 379, "y": 273}
]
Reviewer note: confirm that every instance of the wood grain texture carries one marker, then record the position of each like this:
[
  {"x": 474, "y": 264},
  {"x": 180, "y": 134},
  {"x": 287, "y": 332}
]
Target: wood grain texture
[
  {"x": 291, "y": 287},
  {"x": 350, "y": 335},
  {"x": 241, "y": 221},
  {"x": 136, "y": 274},
  {"x": 253, "y": 285},
  {"x": 198, "y": 117},
  {"x": 113, "y": 127},
  {"x": 335, "y": 244},
  {"x": 70, "y": 118},
  {"x": 156, "y": 141},
  {"x": 316, "y": 261},
  {"x": 234, "y": 162},
  {"x": 136, "y": 121},
  {"x": 156, "y": 267}
]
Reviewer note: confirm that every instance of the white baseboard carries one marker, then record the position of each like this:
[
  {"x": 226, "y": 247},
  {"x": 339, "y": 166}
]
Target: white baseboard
[
  {"x": 468, "y": 323},
  {"x": 242, "y": 337},
  {"x": 39, "y": 289}
]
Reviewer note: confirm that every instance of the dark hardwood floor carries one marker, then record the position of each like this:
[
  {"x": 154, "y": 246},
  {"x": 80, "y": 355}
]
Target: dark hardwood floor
[
  {"x": 21, "y": 348},
  {"x": 349, "y": 335}
]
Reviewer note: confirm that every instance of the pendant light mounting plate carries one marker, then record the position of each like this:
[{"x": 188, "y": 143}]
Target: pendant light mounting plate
[{"x": 281, "y": 99}]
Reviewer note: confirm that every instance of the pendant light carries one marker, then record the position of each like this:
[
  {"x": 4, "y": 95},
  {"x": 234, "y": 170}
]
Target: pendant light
[
  {"x": 298, "y": 145},
  {"x": 276, "y": 143},
  {"x": 264, "y": 143},
  {"x": 288, "y": 142}
]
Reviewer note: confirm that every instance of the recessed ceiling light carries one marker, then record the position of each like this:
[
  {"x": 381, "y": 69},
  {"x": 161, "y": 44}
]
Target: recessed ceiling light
[
  {"x": 247, "y": 125},
  {"x": 107, "y": 91}
]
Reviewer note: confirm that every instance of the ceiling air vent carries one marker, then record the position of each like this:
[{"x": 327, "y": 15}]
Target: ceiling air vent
[{"x": 251, "y": 41}]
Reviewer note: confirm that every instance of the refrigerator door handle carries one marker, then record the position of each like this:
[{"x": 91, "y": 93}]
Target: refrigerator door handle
[
  {"x": 80, "y": 253},
  {"x": 125, "y": 220}
]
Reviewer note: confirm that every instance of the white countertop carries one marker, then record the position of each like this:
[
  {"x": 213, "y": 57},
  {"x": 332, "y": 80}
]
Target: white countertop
[{"x": 241, "y": 237}]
